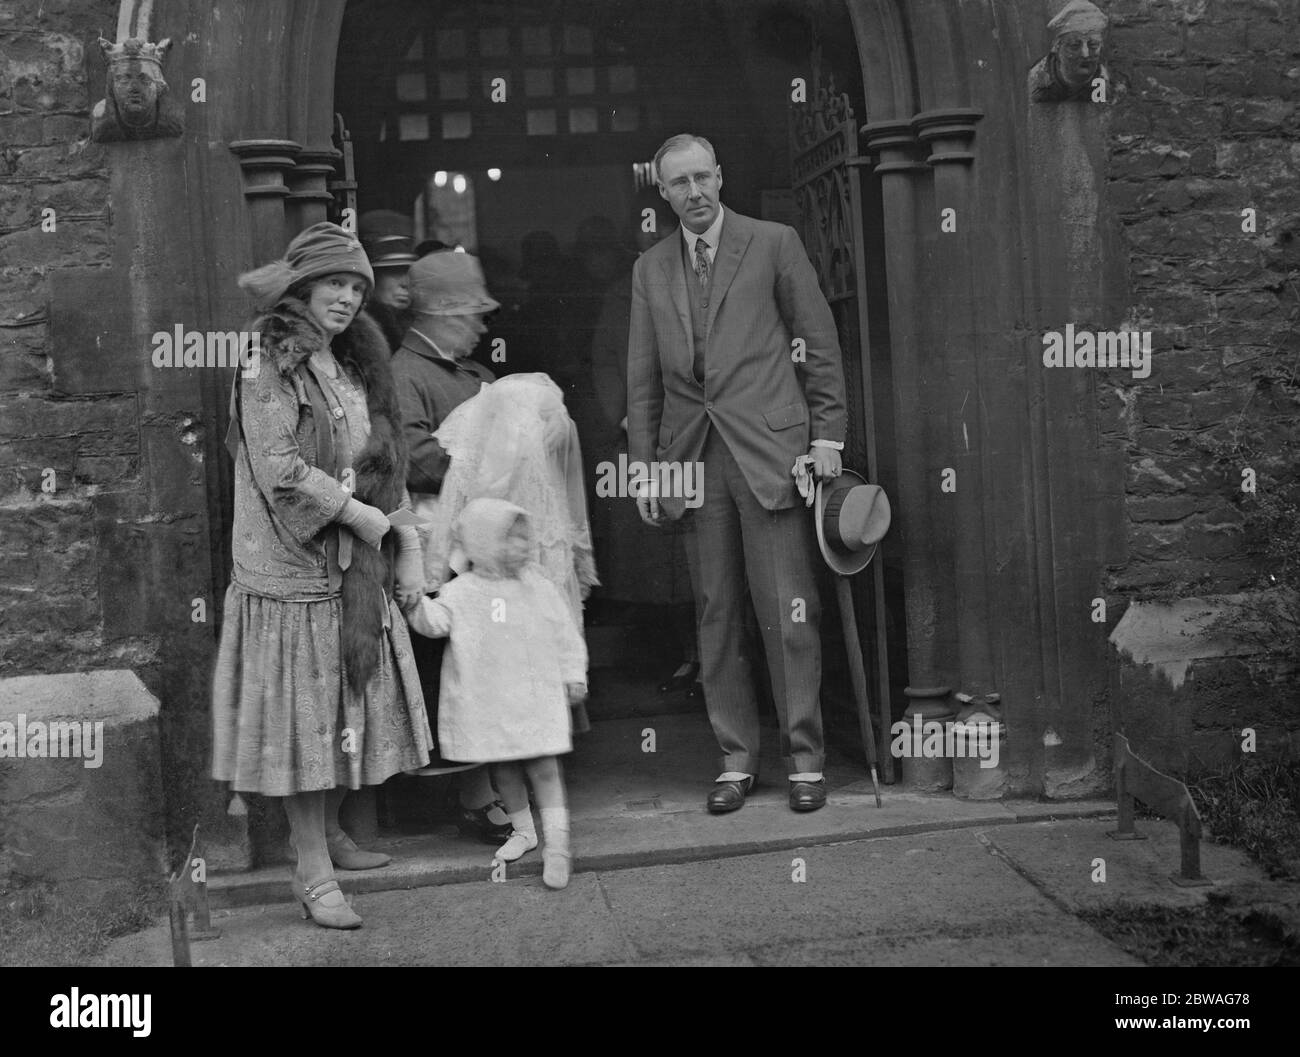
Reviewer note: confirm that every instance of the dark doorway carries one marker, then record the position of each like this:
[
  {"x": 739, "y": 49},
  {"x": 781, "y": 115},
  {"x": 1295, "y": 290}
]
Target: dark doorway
[{"x": 524, "y": 132}]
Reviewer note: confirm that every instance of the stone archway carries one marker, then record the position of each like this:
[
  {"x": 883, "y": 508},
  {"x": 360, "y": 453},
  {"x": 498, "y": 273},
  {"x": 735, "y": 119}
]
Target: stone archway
[
  {"x": 993, "y": 596},
  {"x": 1001, "y": 570}
]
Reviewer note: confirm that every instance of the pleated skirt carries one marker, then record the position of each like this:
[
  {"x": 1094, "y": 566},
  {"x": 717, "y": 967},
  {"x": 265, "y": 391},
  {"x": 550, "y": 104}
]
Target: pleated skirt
[{"x": 285, "y": 721}]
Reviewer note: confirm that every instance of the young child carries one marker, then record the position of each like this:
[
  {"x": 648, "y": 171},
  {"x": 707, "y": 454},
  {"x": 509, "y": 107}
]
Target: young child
[
  {"x": 515, "y": 662},
  {"x": 515, "y": 441}
]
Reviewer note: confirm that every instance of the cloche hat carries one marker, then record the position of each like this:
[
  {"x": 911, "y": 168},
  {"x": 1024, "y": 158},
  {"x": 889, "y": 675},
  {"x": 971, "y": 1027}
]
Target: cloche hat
[
  {"x": 321, "y": 249},
  {"x": 449, "y": 283}
]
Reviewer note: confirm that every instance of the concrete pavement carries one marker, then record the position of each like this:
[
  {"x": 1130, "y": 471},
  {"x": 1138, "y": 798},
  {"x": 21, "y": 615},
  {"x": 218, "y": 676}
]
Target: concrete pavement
[
  {"x": 926, "y": 879},
  {"x": 999, "y": 894}
]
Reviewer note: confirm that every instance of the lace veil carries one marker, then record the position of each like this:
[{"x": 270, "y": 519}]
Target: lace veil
[{"x": 515, "y": 441}]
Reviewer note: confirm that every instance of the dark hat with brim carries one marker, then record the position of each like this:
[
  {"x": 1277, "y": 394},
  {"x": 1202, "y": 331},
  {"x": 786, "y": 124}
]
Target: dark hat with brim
[
  {"x": 852, "y": 518},
  {"x": 388, "y": 237},
  {"x": 393, "y": 251}
]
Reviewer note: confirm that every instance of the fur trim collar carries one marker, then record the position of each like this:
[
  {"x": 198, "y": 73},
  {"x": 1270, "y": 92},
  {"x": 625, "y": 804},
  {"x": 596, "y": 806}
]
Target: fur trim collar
[{"x": 289, "y": 337}]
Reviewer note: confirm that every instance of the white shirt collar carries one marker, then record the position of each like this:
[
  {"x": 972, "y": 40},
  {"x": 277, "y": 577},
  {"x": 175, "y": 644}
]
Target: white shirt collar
[{"x": 711, "y": 235}]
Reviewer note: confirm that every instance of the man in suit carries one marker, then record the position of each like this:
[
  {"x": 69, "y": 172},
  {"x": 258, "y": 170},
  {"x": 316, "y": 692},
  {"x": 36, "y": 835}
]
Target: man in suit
[{"x": 734, "y": 364}]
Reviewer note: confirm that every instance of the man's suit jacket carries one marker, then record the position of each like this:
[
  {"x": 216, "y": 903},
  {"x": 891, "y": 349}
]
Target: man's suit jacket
[{"x": 765, "y": 404}]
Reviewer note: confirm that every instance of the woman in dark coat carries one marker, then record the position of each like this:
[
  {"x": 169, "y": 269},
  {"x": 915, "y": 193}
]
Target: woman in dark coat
[{"x": 315, "y": 690}]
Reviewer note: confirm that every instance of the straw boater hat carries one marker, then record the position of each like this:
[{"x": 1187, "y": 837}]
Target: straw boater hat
[
  {"x": 852, "y": 517},
  {"x": 387, "y": 236},
  {"x": 449, "y": 283}
]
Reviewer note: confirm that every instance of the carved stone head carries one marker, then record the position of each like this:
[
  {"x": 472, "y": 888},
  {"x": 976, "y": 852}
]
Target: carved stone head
[
  {"x": 1075, "y": 59},
  {"x": 135, "y": 94},
  {"x": 135, "y": 79},
  {"x": 1072, "y": 66}
]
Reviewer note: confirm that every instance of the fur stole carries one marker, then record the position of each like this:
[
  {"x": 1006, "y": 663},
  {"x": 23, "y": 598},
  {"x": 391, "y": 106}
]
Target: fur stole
[{"x": 289, "y": 336}]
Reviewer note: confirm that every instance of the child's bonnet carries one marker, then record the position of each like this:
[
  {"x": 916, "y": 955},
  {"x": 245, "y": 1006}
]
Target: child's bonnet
[{"x": 481, "y": 531}]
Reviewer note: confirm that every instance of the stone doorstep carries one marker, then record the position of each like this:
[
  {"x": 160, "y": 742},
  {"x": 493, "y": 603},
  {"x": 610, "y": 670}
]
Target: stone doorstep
[{"x": 636, "y": 838}]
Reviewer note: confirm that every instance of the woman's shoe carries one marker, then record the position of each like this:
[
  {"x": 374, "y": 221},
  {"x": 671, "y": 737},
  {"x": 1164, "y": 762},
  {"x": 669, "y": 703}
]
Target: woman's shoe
[
  {"x": 345, "y": 854},
  {"x": 681, "y": 679},
  {"x": 323, "y": 902},
  {"x": 474, "y": 822},
  {"x": 555, "y": 868}
]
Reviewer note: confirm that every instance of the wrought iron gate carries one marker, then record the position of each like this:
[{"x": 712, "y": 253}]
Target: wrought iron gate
[{"x": 827, "y": 184}]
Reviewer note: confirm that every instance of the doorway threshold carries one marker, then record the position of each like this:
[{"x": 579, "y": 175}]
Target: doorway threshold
[{"x": 633, "y": 807}]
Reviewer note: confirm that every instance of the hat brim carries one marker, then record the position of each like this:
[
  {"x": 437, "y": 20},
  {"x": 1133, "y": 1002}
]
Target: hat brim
[
  {"x": 316, "y": 275},
  {"x": 394, "y": 260},
  {"x": 843, "y": 564},
  {"x": 468, "y": 308}
]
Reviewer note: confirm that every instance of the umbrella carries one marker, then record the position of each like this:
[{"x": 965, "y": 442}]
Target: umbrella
[{"x": 853, "y": 647}]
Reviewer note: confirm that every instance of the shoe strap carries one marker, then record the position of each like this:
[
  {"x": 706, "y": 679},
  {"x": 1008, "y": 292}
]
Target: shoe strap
[{"x": 321, "y": 888}]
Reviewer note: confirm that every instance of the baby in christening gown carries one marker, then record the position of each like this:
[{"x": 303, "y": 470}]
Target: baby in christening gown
[
  {"x": 515, "y": 662},
  {"x": 515, "y": 441}
]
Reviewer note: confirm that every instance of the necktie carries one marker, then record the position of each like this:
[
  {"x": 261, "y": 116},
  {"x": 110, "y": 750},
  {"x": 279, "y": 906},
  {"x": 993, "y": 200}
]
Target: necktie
[{"x": 702, "y": 262}]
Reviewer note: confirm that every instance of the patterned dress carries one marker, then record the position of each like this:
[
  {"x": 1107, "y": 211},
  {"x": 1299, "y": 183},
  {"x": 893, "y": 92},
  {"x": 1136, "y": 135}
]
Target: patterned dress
[{"x": 284, "y": 718}]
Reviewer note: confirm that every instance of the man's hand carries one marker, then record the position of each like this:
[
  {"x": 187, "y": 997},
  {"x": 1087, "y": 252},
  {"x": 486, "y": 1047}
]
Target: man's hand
[
  {"x": 576, "y": 692},
  {"x": 647, "y": 503},
  {"x": 825, "y": 462},
  {"x": 648, "y": 507}
]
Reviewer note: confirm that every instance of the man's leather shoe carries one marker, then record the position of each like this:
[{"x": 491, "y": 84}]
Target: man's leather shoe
[
  {"x": 807, "y": 796},
  {"x": 729, "y": 796}
]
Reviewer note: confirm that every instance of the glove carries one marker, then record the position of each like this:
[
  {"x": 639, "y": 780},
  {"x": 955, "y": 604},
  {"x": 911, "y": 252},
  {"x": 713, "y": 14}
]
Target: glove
[
  {"x": 410, "y": 569},
  {"x": 803, "y": 479},
  {"x": 368, "y": 523}
]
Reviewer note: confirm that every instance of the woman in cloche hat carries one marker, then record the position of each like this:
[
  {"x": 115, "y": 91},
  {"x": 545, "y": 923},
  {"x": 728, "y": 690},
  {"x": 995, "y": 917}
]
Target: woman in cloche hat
[{"x": 315, "y": 690}]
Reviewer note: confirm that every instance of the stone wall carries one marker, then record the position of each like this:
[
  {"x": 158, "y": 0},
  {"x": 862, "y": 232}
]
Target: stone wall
[
  {"x": 1204, "y": 127},
  {"x": 105, "y": 533},
  {"x": 57, "y": 451}
]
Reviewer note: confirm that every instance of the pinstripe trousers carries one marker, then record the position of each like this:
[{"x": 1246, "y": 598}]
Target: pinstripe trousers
[{"x": 739, "y": 543}]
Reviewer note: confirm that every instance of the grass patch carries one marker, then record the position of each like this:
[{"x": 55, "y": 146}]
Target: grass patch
[
  {"x": 1205, "y": 936},
  {"x": 40, "y": 927},
  {"x": 1255, "y": 806}
]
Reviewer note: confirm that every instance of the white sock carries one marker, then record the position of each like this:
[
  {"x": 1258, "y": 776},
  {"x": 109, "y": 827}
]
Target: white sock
[
  {"x": 524, "y": 837},
  {"x": 555, "y": 857},
  {"x": 555, "y": 828}
]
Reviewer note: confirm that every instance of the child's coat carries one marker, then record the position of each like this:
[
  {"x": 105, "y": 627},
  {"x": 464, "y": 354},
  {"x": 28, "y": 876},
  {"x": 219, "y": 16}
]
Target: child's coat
[{"x": 512, "y": 647}]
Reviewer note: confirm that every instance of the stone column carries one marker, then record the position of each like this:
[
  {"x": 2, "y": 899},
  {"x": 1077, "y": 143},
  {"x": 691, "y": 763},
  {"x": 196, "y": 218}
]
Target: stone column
[
  {"x": 267, "y": 164},
  {"x": 931, "y": 640},
  {"x": 953, "y": 256},
  {"x": 309, "y": 198}
]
